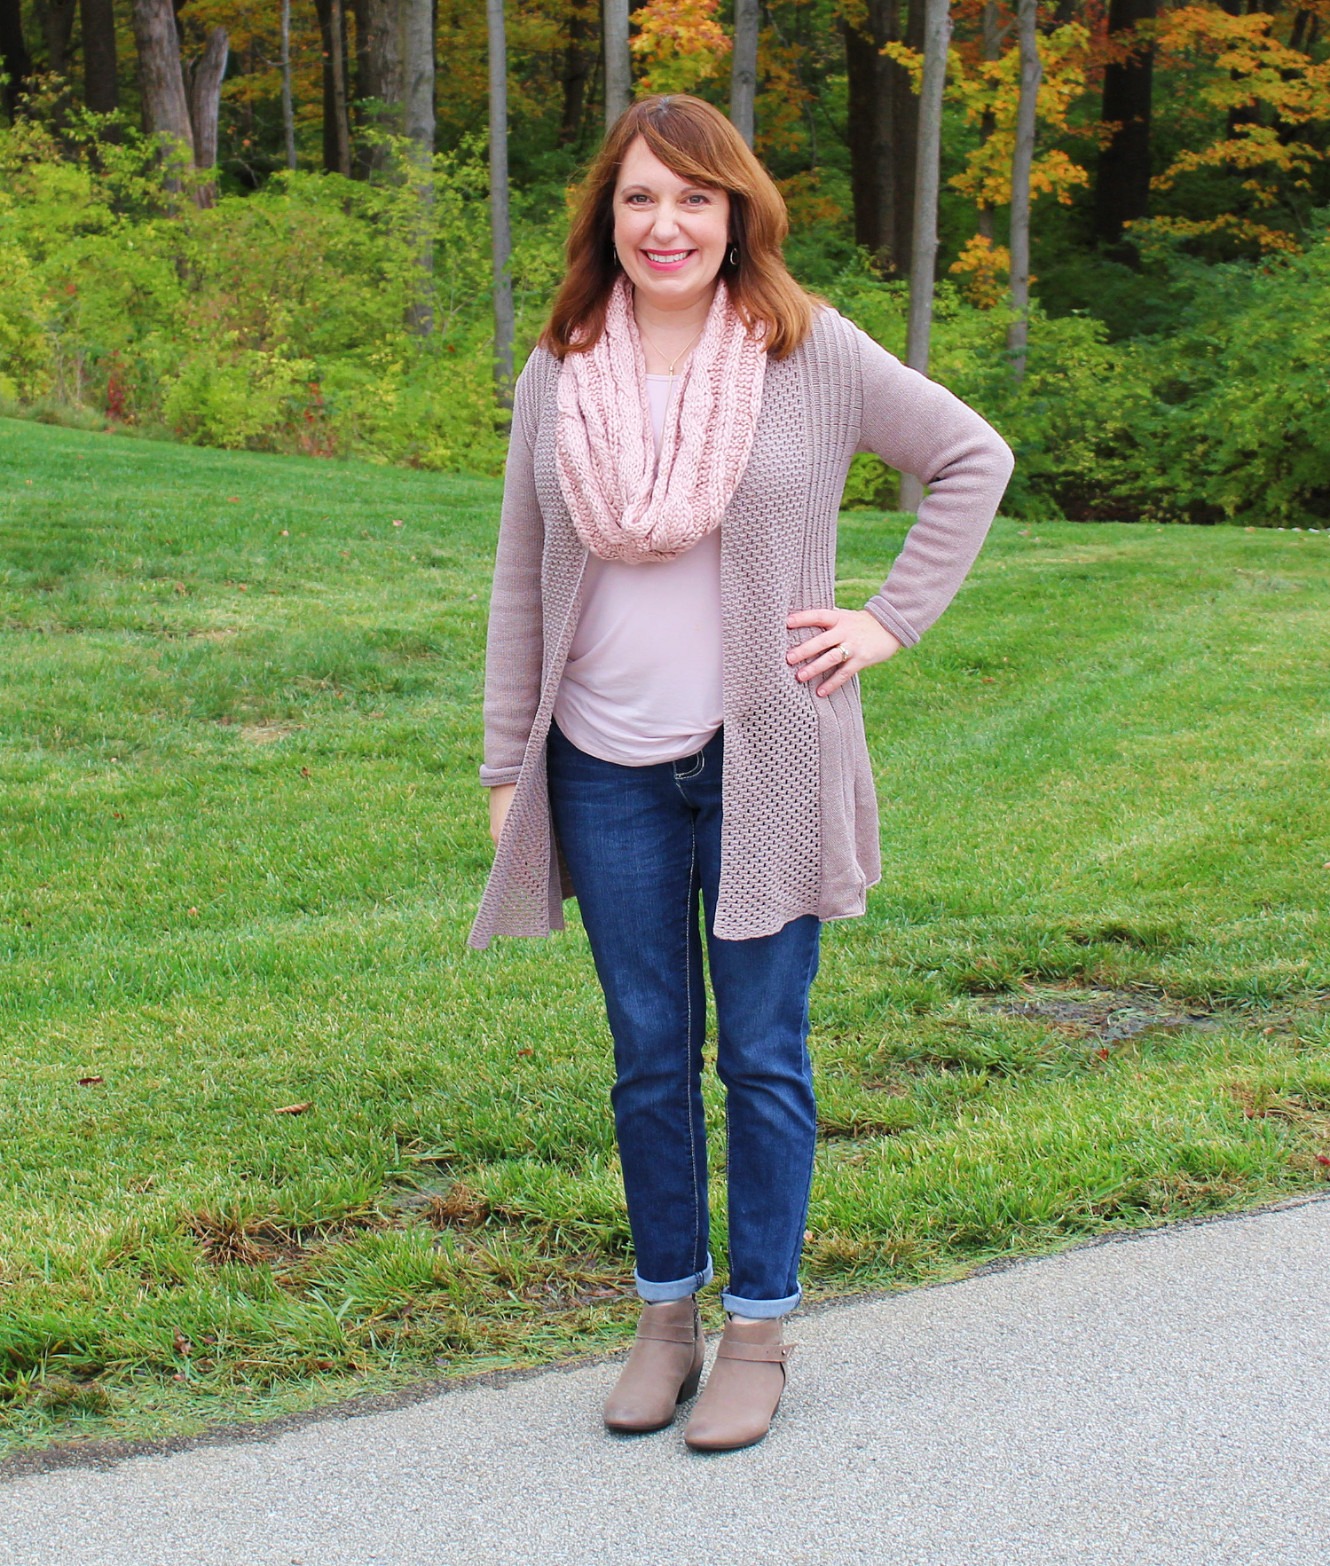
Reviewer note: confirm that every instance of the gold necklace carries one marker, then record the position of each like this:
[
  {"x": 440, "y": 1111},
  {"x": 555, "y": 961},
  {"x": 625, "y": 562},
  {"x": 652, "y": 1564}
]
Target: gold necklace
[{"x": 681, "y": 352}]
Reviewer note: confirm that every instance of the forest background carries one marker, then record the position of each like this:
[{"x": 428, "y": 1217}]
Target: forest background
[{"x": 266, "y": 224}]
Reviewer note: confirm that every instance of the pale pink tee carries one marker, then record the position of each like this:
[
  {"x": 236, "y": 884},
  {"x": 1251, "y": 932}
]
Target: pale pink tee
[{"x": 643, "y": 679}]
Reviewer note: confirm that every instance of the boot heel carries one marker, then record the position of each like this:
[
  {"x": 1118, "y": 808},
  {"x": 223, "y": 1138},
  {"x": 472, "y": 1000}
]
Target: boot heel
[{"x": 689, "y": 1388}]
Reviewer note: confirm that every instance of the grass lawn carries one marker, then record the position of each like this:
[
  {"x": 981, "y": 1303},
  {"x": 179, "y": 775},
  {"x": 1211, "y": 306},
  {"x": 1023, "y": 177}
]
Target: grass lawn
[{"x": 272, "y": 1135}]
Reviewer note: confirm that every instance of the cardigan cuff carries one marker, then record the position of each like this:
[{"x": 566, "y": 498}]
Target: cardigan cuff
[
  {"x": 496, "y": 777},
  {"x": 892, "y": 620}
]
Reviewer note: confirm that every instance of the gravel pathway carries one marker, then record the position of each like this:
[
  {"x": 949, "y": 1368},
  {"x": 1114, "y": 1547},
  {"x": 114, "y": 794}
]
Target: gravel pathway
[{"x": 1158, "y": 1399}]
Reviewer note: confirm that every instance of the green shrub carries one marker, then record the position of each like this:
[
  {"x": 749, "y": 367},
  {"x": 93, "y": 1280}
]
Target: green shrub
[{"x": 25, "y": 351}]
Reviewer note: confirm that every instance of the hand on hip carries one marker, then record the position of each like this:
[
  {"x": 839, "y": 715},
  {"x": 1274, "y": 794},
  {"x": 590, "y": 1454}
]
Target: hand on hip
[{"x": 848, "y": 640}]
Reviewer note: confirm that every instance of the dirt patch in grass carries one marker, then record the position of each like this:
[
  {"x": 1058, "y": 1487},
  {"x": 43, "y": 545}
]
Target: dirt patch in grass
[
  {"x": 456, "y": 1207},
  {"x": 1110, "y": 1015},
  {"x": 227, "y": 1239},
  {"x": 266, "y": 733}
]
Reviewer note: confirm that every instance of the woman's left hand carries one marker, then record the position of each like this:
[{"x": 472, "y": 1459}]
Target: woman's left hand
[{"x": 855, "y": 631}]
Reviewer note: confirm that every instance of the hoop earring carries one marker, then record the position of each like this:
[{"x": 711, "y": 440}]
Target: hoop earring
[{"x": 733, "y": 257}]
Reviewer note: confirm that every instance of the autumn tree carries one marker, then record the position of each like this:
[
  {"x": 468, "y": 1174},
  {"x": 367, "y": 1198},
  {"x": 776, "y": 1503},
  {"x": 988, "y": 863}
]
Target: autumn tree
[
  {"x": 101, "y": 78},
  {"x": 937, "y": 36},
  {"x": 500, "y": 226},
  {"x": 743, "y": 73},
  {"x": 1122, "y": 184},
  {"x": 1027, "y": 32},
  {"x": 336, "y": 99},
  {"x": 15, "y": 61},
  {"x": 882, "y": 126},
  {"x": 618, "y": 61}
]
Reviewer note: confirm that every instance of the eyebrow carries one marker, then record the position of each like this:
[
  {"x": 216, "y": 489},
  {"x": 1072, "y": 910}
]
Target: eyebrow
[{"x": 648, "y": 189}]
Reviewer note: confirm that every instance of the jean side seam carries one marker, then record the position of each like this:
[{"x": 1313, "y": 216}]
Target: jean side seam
[{"x": 688, "y": 1039}]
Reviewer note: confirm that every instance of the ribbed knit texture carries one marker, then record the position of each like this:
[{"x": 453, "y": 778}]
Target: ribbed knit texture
[
  {"x": 624, "y": 504},
  {"x": 800, "y": 831}
]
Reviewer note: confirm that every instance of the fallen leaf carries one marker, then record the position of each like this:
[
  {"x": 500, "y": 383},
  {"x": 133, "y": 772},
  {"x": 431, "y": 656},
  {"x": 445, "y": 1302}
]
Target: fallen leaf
[
  {"x": 183, "y": 1345},
  {"x": 522, "y": 1052},
  {"x": 193, "y": 913},
  {"x": 1101, "y": 1054},
  {"x": 90, "y": 1081},
  {"x": 398, "y": 524},
  {"x": 294, "y": 1109},
  {"x": 234, "y": 499},
  {"x": 304, "y": 772},
  {"x": 1322, "y": 1159}
]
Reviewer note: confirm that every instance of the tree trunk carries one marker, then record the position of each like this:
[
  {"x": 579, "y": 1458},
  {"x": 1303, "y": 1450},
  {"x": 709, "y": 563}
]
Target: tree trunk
[
  {"x": 500, "y": 231},
  {"x": 1122, "y": 183},
  {"x": 992, "y": 46},
  {"x": 923, "y": 256},
  {"x": 15, "y": 61},
  {"x": 882, "y": 133},
  {"x": 872, "y": 86},
  {"x": 618, "y": 61},
  {"x": 205, "y": 99},
  {"x": 417, "y": 53},
  {"x": 743, "y": 72},
  {"x": 288, "y": 106},
  {"x": 101, "y": 81},
  {"x": 161, "y": 79},
  {"x": 57, "y": 23},
  {"x": 380, "y": 76},
  {"x": 905, "y": 134},
  {"x": 336, "y": 121},
  {"x": 1027, "y": 16},
  {"x": 577, "y": 62}
]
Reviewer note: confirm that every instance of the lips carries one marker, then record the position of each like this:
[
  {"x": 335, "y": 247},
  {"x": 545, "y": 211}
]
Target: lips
[{"x": 666, "y": 260}]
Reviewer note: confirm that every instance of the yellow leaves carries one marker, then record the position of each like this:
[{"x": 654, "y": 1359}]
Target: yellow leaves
[
  {"x": 678, "y": 43},
  {"x": 986, "y": 268},
  {"x": 1245, "y": 231},
  {"x": 1274, "y": 86},
  {"x": 1253, "y": 66},
  {"x": 989, "y": 91},
  {"x": 1055, "y": 174},
  {"x": 913, "y": 61}
]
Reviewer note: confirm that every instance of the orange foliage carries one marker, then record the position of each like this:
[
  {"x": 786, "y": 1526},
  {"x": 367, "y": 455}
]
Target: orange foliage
[{"x": 678, "y": 43}]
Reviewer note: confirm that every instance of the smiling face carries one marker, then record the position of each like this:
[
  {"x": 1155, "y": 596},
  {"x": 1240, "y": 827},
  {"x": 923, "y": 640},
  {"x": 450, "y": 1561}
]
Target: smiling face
[{"x": 671, "y": 235}]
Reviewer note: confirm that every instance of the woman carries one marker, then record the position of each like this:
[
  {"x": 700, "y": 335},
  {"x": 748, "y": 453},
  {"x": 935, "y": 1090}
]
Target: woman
[{"x": 671, "y": 708}]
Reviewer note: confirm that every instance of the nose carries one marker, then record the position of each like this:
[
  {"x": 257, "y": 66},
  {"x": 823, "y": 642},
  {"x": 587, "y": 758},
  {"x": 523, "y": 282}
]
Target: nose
[{"x": 666, "y": 226}]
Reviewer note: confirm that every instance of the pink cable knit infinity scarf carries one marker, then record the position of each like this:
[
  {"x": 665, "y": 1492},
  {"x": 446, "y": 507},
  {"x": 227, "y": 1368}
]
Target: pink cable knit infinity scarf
[{"x": 624, "y": 504}]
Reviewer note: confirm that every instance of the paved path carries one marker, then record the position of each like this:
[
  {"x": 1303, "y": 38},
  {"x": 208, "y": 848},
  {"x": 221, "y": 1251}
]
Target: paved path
[{"x": 1155, "y": 1400}]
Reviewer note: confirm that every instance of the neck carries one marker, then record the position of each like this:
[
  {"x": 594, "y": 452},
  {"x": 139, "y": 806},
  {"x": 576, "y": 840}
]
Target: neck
[{"x": 667, "y": 323}]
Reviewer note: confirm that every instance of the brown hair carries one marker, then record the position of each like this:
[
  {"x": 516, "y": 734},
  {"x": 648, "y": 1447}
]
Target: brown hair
[{"x": 696, "y": 142}]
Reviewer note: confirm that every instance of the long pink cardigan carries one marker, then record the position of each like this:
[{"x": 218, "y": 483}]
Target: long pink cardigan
[{"x": 800, "y": 833}]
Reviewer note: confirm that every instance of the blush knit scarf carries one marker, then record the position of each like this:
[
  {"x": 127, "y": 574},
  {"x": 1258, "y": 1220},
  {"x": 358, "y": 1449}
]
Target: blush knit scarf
[{"x": 625, "y": 504}]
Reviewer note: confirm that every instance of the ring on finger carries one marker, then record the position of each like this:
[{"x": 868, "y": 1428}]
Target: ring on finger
[{"x": 845, "y": 653}]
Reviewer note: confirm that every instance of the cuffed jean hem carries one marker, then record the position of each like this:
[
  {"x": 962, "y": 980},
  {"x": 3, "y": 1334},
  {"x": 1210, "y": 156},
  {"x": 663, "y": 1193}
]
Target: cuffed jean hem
[
  {"x": 760, "y": 1310},
  {"x": 662, "y": 1293}
]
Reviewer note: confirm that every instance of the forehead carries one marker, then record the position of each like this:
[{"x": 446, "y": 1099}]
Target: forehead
[{"x": 641, "y": 166}]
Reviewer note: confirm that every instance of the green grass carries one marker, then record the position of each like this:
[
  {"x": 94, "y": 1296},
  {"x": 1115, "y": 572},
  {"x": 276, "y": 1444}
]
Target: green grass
[{"x": 243, "y": 840}]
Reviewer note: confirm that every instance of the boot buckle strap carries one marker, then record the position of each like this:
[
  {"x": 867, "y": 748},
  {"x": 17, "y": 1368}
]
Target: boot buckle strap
[
  {"x": 769, "y": 1353},
  {"x": 666, "y": 1332}
]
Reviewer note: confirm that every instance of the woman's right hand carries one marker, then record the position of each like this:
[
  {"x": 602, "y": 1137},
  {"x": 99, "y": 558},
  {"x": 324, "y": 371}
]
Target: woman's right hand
[{"x": 501, "y": 798}]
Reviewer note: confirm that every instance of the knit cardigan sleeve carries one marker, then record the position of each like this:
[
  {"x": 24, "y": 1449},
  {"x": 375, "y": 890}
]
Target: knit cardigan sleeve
[
  {"x": 515, "y": 643},
  {"x": 917, "y": 426}
]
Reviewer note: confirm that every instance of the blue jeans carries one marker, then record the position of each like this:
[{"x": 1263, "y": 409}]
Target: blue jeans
[{"x": 641, "y": 844}]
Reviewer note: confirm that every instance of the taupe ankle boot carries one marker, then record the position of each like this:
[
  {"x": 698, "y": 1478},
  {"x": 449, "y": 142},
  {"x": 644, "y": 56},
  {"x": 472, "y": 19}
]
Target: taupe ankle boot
[
  {"x": 745, "y": 1384},
  {"x": 662, "y": 1371}
]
